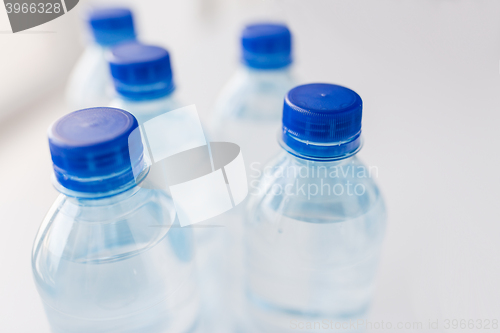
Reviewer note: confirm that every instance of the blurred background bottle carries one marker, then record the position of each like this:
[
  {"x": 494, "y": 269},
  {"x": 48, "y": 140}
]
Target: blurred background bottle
[
  {"x": 142, "y": 77},
  {"x": 143, "y": 80},
  {"x": 90, "y": 82},
  {"x": 247, "y": 113},
  {"x": 315, "y": 223},
  {"x": 110, "y": 256}
]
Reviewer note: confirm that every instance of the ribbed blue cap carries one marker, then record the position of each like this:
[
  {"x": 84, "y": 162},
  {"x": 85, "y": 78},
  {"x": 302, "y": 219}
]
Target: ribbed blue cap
[
  {"x": 90, "y": 149},
  {"x": 111, "y": 26},
  {"x": 322, "y": 121},
  {"x": 141, "y": 71},
  {"x": 266, "y": 46}
]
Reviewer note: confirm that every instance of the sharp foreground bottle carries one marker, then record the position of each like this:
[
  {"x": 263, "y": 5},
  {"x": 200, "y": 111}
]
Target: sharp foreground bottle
[
  {"x": 110, "y": 256},
  {"x": 90, "y": 82},
  {"x": 316, "y": 221}
]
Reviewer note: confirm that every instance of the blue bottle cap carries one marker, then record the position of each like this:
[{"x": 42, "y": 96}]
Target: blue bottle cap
[
  {"x": 322, "y": 121},
  {"x": 141, "y": 71},
  {"x": 111, "y": 26},
  {"x": 266, "y": 46},
  {"x": 90, "y": 149}
]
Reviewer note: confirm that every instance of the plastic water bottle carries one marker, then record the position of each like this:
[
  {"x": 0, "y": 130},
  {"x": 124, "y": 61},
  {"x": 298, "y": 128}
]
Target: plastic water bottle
[
  {"x": 142, "y": 77},
  {"x": 316, "y": 221},
  {"x": 90, "y": 82},
  {"x": 248, "y": 109},
  {"x": 109, "y": 256},
  {"x": 247, "y": 113},
  {"x": 143, "y": 80}
]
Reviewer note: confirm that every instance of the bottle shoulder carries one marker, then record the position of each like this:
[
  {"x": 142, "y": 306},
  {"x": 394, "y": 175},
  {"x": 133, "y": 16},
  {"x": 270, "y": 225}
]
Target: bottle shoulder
[
  {"x": 86, "y": 231},
  {"x": 112, "y": 258},
  {"x": 315, "y": 192}
]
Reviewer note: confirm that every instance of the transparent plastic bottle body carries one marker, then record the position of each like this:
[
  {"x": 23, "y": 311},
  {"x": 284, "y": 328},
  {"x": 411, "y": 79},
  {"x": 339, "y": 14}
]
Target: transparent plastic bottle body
[
  {"x": 248, "y": 113},
  {"x": 313, "y": 233},
  {"x": 90, "y": 83},
  {"x": 116, "y": 264},
  {"x": 145, "y": 110}
]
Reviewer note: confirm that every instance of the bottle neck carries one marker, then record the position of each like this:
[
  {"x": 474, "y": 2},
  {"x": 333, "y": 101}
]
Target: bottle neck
[
  {"x": 270, "y": 75},
  {"x": 105, "y": 197},
  {"x": 104, "y": 47},
  {"x": 321, "y": 152},
  {"x": 110, "y": 39},
  {"x": 309, "y": 163},
  {"x": 145, "y": 110},
  {"x": 140, "y": 93},
  {"x": 149, "y": 103}
]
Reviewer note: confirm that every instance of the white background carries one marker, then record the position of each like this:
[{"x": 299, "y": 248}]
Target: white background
[{"x": 428, "y": 73}]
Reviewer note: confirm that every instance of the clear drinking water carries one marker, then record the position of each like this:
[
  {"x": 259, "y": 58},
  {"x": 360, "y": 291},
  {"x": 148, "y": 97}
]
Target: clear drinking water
[
  {"x": 90, "y": 83},
  {"x": 116, "y": 265},
  {"x": 110, "y": 255},
  {"x": 144, "y": 82},
  {"x": 316, "y": 220},
  {"x": 248, "y": 113}
]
